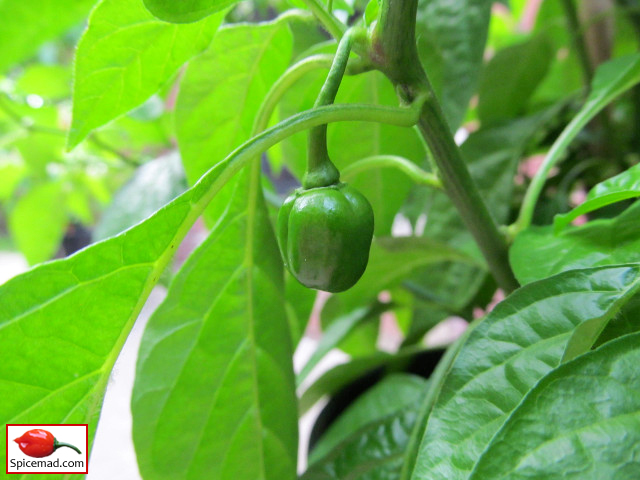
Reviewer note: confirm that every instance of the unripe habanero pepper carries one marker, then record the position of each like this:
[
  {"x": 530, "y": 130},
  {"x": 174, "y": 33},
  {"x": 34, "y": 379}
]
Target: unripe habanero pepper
[{"x": 325, "y": 235}]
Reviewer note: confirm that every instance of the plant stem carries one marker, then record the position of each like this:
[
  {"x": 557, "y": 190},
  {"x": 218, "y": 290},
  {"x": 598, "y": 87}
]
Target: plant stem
[
  {"x": 578, "y": 40},
  {"x": 394, "y": 51},
  {"x": 409, "y": 168},
  {"x": 326, "y": 18},
  {"x": 291, "y": 76},
  {"x": 464, "y": 194},
  {"x": 206, "y": 188},
  {"x": 321, "y": 172}
]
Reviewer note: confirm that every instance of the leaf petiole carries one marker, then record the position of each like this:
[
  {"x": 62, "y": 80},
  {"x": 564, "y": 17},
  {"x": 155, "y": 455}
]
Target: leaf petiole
[{"x": 415, "y": 173}]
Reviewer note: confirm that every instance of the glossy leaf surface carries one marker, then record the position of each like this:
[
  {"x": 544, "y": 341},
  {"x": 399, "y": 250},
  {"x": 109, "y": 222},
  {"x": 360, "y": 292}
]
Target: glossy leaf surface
[
  {"x": 621, "y": 187},
  {"x": 63, "y": 323},
  {"x": 389, "y": 397},
  {"x": 214, "y": 394},
  {"x": 582, "y": 421},
  {"x": 367, "y": 441},
  {"x": 515, "y": 346},
  {"x": 538, "y": 252}
]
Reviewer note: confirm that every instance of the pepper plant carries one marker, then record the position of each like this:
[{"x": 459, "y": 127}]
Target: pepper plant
[{"x": 205, "y": 106}]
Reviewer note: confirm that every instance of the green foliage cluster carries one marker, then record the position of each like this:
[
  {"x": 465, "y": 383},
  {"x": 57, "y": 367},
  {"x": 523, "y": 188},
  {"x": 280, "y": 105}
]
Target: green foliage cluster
[{"x": 133, "y": 119}]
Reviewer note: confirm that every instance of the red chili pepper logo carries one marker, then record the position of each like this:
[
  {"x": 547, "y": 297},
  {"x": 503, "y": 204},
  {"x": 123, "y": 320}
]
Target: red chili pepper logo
[{"x": 39, "y": 443}]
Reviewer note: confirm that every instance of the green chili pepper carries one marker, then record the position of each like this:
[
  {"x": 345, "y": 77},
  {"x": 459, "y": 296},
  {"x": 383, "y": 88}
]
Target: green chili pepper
[
  {"x": 325, "y": 228},
  {"x": 325, "y": 235}
]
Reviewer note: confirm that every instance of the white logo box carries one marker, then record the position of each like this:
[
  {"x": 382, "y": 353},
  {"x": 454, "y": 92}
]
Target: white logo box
[{"x": 62, "y": 460}]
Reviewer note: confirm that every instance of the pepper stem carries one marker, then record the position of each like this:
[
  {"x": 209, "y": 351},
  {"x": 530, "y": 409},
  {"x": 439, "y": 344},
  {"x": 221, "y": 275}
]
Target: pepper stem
[
  {"x": 321, "y": 172},
  {"x": 57, "y": 445}
]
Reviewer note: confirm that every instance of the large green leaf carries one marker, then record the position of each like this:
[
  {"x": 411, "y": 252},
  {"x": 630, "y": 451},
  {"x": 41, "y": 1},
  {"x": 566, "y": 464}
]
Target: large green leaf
[
  {"x": 506, "y": 354},
  {"x": 185, "y": 11},
  {"x": 511, "y": 77},
  {"x": 300, "y": 301},
  {"x": 153, "y": 185},
  {"x": 388, "y": 398},
  {"x": 124, "y": 57},
  {"x": 582, "y": 421},
  {"x": 37, "y": 222},
  {"x": 214, "y": 395},
  {"x": 621, "y": 187},
  {"x": 27, "y": 24},
  {"x": 374, "y": 453},
  {"x": 451, "y": 40},
  {"x": 538, "y": 253},
  {"x": 63, "y": 323},
  {"x": 221, "y": 93}
]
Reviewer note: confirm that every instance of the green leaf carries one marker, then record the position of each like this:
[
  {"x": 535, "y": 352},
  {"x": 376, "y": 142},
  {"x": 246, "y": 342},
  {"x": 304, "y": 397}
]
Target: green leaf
[
  {"x": 391, "y": 260},
  {"x": 374, "y": 453},
  {"x": 334, "y": 334},
  {"x": 37, "y": 223},
  {"x": 48, "y": 81},
  {"x": 214, "y": 395},
  {"x": 624, "y": 323},
  {"x": 63, "y": 323},
  {"x": 27, "y": 24},
  {"x": 300, "y": 301},
  {"x": 451, "y": 40},
  {"x": 565, "y": 77},
  {"x": 506, "y": 354},
  {"x": 38, "y": 149},
  {"x": 511, "y": 77},
  {"x": 611, "y": 80},
  {"x": 340, "y": 376},
  {"x": 581, "y": 421},
  {"x": 221, "y": 93},
  {"x": 185, "y": 11},
  {"x": 11, "y": 174},
  {"x": 390, "y": 397},
  {"x": 124, "y": 57},
  {"x": 153, "y": 185},
  {"x": 621, "y": 187},
  {"x": 538, "y": 253}
]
